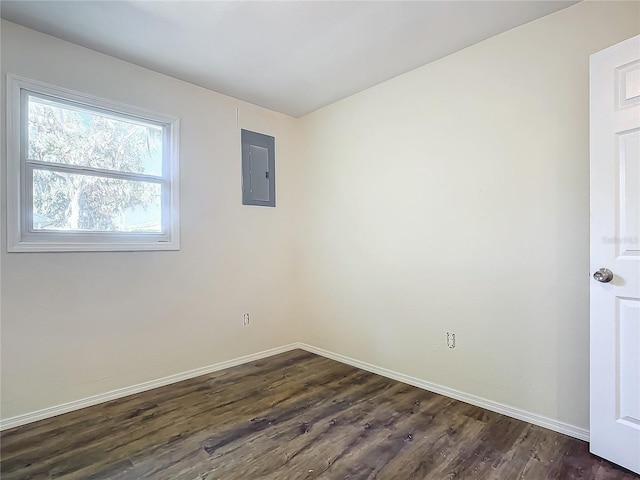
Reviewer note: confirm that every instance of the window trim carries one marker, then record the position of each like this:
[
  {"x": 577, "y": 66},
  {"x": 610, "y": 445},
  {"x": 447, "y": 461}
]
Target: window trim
[{"x": 19, "y": 201}]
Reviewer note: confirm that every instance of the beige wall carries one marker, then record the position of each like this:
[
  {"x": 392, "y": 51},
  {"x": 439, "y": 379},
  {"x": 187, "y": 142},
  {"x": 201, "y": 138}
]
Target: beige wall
[
  {"x": 451, "y": 198},
  {"x": 455, "y": 198},
  {"x": 79, "y": 324}
]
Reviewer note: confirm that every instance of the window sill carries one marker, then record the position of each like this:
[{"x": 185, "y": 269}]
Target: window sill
[{"x": 42, "y": 247}]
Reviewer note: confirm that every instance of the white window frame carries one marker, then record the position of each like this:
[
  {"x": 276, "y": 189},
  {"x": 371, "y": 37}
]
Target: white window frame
[{"x": 21, "y": 237}]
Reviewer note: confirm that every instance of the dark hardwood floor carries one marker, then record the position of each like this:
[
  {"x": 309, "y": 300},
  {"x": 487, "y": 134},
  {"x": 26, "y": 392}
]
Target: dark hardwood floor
[{"x": 293, "y": 416}]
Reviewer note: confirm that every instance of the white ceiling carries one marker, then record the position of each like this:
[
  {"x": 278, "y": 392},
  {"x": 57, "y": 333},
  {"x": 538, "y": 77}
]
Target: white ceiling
[{"x": 289, "y": 56}]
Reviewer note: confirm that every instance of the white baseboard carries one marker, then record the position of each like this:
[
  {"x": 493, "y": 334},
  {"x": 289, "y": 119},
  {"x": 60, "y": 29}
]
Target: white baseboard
[
  {"x": 141, "y": 387},
  {"x": 517, "y": 413},
  {"x": 545, "y": 422}
]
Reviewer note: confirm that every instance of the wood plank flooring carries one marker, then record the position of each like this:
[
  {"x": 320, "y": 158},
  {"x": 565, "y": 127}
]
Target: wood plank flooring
[{"x": 292, "y": 416}]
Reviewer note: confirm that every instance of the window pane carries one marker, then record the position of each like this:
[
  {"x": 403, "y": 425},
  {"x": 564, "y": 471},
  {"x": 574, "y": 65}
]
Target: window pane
[
  {"x": 69, "y": 201},
  {"x": 60, "y": 133}
]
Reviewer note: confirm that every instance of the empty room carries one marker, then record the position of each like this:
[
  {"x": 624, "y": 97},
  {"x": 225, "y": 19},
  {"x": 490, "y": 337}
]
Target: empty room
[{"x": 320, "y": 239}]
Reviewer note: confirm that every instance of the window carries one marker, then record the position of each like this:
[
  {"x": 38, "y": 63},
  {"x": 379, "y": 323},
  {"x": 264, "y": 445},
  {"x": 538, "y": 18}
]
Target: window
[{"x": 87, "y": 174}]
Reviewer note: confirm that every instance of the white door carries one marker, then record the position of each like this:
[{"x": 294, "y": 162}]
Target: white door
[{"x": 615, "y": 246}]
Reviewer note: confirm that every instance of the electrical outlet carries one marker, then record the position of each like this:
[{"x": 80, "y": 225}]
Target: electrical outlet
[
  {"x": 245, "y": 319},
  {"x": 451, "y": 340}
]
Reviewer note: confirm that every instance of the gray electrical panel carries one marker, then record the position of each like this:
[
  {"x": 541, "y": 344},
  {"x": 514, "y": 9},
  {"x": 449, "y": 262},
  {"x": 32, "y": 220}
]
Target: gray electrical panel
[{"x": 258, "y": 169}]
